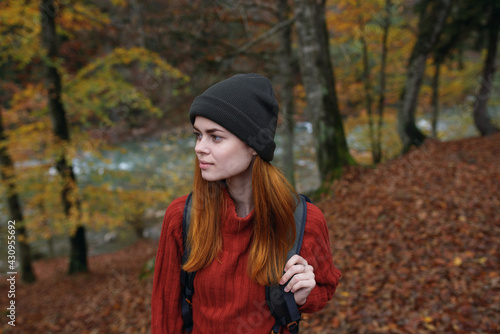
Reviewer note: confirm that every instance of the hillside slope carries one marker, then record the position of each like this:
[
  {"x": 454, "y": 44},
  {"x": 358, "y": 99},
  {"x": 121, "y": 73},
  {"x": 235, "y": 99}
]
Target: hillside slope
[{"x": 417, "y": 240}]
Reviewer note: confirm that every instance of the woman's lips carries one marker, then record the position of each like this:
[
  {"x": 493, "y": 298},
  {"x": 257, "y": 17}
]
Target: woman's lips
[{"x": 205, "y": 165}]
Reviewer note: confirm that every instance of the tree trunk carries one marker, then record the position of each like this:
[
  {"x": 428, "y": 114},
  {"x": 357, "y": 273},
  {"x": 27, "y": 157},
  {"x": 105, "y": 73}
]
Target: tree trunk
[
  {"x": 435, "y": 98},
  {"x": 432, "y": 21},
  {"x": 377, "y": 154},
  {"x": 368, "y": 96},
  {"x": 319, "y": 84},
  {"x": 481, "y": 118},
  {"x": 367, "y": 87},
  {"x": 137, "y": 30},
  {"x": 286, "y": 74},
  {"x": 78, "y": 249},
  {"x": 15, "y": 212}
]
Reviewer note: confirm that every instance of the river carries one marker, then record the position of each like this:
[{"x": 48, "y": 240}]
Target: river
[{"x": 169, "y": 161}]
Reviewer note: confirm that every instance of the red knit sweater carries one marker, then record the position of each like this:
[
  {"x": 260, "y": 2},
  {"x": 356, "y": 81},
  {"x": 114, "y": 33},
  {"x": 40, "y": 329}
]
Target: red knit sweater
[{"x": 226, "y": 300}]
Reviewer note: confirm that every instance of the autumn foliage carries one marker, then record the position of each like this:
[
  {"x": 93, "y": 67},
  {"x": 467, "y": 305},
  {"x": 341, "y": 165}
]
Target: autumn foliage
[{"x": 416, "y": 239}]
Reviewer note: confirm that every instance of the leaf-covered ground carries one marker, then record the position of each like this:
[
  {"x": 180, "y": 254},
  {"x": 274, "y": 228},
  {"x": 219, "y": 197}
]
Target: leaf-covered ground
[
  {"x": 417, "y": 240},
  {"x": 111, "y": 299}
]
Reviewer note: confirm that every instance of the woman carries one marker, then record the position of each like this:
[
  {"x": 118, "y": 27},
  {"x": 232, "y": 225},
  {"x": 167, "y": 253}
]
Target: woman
[{"x": 242, "y": 222}]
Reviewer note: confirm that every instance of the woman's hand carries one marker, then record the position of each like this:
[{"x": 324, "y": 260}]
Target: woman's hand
[{"x": 301, "y": 276}]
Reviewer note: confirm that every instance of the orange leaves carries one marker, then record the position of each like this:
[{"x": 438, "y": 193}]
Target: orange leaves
[
  {"x": 416, "y": 240},
  {"x": 111, "y": 299},
  {"x": 427, "y": 262}
]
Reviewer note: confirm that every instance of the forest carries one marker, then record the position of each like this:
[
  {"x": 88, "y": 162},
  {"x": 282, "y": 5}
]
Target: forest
[{"x": 389, "y": 121}]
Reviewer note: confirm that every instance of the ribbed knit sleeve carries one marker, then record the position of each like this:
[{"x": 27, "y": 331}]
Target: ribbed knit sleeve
[
  {"x": 165, "y": 314},
  {"x": 317, "y": 252},
  {"x": 226, "y": 299}
]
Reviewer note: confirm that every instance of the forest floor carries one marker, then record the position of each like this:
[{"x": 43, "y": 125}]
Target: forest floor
[{"x": 417, "y": 240}]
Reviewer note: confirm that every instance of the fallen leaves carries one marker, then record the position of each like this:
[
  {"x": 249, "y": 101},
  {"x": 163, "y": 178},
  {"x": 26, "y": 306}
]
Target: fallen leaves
[
  {"x": 416, "y": 239},
  {"x": 110, "y": 299},
  {"x": 417, "y": 242}
]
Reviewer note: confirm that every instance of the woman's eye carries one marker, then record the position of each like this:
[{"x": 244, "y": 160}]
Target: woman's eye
[
  {"x": 197, "y": 135},
  {"x": 216, "y": 138}
]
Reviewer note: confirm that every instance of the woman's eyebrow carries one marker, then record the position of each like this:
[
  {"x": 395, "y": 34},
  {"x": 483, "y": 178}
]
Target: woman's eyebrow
[{"x": 209, "y": 131}]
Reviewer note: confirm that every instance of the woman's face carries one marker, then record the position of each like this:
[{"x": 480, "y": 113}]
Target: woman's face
[{"x": 221, "y": 154}]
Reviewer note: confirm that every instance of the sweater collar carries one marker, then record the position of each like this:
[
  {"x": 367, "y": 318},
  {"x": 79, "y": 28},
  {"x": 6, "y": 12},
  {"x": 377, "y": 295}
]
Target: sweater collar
[{"x": 232, "y": 223}]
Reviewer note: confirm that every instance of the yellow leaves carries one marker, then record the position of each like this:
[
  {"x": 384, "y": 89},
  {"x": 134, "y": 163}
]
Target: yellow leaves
[
  {"x": 99, "y": 91},
  {"x": 120, "y": 3},
  {"x": 123, "y": 56},
  {"x": 80, "y": 17},
  {"x": 428, "y": 319},
  {"x": 19, "y": 31},
  {"x": 90, "y": 98},
  {"x": 468, "y": 258},
  {"x": 457, "y": 261}
]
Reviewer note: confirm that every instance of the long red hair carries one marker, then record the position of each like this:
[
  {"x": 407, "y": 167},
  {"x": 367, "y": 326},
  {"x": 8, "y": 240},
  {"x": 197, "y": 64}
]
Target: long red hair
[{"x": 274, "y": 225}]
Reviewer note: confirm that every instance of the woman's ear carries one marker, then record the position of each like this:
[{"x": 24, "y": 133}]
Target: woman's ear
[{"x": 252, "y": 151}]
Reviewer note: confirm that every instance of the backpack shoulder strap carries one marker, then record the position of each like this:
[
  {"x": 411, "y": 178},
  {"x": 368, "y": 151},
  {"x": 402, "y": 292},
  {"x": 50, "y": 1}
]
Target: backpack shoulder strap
[
  {"x": 187, "y": 278},
  {"x": 299, "y": 216},
  {"x": 186, "y": 221},
  {"x": 282, "y": 304}
]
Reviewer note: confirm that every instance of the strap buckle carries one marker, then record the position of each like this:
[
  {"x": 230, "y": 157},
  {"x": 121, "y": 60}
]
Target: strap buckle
[{"x": 293, "y": 325}]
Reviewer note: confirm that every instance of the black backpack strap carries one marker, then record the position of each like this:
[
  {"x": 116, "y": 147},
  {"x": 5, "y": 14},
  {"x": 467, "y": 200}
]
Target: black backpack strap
[
  {"x": 187, "y": 278},
  {"x": 282, "y": 304}
]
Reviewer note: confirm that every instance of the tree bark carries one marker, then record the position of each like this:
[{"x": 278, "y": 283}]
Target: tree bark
[
  {"x": 432, "y": 20},
  {"x": 137, "y": 39},
  {"x": 78, "y": 249},
  {"x": 285, "y": 65},
  {"x": 367, "y": 86},
  {"x": 481, "y": 118},
  {"x": 435, "y": 98},
  {"x": 319, "y": 83},
  {"x": 15, "y": 211},
  {"x": 377, "y": 154}
]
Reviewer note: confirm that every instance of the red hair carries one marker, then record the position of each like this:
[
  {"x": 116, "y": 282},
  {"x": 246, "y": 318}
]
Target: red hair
[{"x": 274, "y": 225}]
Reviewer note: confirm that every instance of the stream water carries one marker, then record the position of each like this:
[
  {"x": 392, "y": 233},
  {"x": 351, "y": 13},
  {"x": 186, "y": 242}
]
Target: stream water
[{"x": 169, "y": 162}]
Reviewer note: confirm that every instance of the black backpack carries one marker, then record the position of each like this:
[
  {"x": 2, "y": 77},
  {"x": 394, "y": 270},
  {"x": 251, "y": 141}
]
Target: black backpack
[{"x": 281, "y": 304}]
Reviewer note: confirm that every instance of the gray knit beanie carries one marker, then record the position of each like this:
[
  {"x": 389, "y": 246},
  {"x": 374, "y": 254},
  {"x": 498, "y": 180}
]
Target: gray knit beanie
[{"x": 246, "y": 106}]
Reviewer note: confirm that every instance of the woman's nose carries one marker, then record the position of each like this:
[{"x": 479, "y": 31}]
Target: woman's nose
[{"x": 201, "y": 146}]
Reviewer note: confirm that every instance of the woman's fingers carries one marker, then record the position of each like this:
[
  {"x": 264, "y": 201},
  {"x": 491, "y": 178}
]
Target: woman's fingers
[
  {"x": 300, "y": 277},
  {"x": 295, "y": 265}
]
